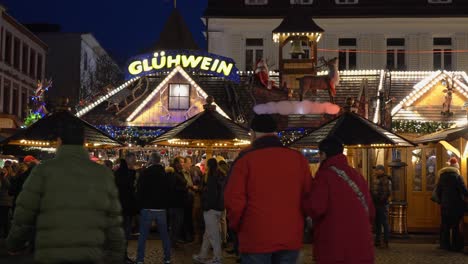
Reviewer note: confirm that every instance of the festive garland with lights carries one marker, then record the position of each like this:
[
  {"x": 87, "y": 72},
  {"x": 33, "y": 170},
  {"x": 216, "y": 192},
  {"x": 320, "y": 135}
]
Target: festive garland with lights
[
  {"x": 419, "y": 127},
  {"x": 290, "y": 135},
  {"x": 136, "y": 135}
]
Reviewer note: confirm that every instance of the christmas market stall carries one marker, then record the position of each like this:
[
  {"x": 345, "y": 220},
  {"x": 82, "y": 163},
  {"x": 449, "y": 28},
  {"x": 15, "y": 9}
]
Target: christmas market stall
[{"x": 207, "y": 130}]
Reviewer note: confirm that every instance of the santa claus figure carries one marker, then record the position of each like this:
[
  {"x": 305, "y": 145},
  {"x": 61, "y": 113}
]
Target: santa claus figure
[{"x": 262, "y": 73}]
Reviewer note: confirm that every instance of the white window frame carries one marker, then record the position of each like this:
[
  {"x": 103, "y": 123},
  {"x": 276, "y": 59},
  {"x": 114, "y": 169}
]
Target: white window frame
[
  {"x": 256, "y": 2},
  {"x": 181, "y": 85},
  {"x": 395, "y": 54},
  {"x": 439, "y": 1},
  {"x": 442, "y": 49},
  {"x": 346, "y": 2},
  {"x": 254, "y": 53},
  {"x": 302, "y": 2}
]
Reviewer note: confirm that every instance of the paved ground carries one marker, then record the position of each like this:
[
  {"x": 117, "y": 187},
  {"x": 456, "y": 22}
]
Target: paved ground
[{"x": 398, "y": 253}]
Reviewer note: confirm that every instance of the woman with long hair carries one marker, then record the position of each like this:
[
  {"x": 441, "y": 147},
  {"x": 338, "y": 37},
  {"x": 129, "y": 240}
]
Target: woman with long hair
[{"x": 213, "y": 207}]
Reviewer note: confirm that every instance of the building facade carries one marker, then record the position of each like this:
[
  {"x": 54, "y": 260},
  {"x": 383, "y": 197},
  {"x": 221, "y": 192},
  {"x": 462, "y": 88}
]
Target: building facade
[
  {"x": 22, "y": 63},
  {"x": 76, "y": 62},
  {"x": 364, "y": 34}
]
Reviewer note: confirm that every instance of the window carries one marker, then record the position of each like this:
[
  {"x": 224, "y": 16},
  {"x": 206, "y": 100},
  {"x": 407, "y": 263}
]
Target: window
[
  {"x": 25, "y": 66},
  {"x": 16, "y": 53},
  {"x": 396, "y": 54},
  {"x": 15, "y": 99},
  {"x": 8, "y": 45},
  {"x": 442, "y": 54},
  {"x": 85, "y": 61},
  {"x": 302, "y": 2},
  {"x": 6, "y": 96},
  {"x": 24, "y": 102},
  {"x": 179, "y": 96},
  {"x": 346, "y": 2},
  {"x": 347, "y": 53},
  {"x": 253, "y": 53},
  {"x": 256, "y": 2},
  {"x": 32, "y": 64},
  {"x": 439, "y": 1},
  {"x": 417, "y": 173},
  {"x": 39, "y": 66}
]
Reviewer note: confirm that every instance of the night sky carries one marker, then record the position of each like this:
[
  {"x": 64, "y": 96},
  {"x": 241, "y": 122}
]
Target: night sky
[{"x": 123, "y": 27}]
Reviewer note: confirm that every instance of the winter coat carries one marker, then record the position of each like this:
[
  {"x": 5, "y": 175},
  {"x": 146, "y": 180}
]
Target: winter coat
[
  {"x": 342, "y": 226},
  {"x": 382, "y": 190},
  {"x": 18, "y": 181},
  {"x": 264, "y": 194},
  {"x": 154, "y": 188},
  {"x": 6, "y": 199},
  {"x": 179, "y": 192},
  {"x": 70, "y": 204},
  {"x": 213, "y": 192},
  {"x": 125, "y": 179},
  {"x": 451, "y": 190}
]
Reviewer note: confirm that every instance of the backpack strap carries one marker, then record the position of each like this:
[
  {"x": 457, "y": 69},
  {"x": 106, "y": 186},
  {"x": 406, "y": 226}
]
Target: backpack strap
[{"x": 353, "y": 186}]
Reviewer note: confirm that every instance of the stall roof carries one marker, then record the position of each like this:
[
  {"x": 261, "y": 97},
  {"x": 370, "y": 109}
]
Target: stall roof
[
  {"x": 45, "y": 130},
  {"x": 446, "y": 134},
  {"x": 353, "y": 130}
]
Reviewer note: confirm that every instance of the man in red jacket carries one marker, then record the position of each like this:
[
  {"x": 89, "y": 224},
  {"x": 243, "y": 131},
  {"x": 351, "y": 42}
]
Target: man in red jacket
[
  {"x": 341, "y": 208},
  {"x": 264, "y": 196}
]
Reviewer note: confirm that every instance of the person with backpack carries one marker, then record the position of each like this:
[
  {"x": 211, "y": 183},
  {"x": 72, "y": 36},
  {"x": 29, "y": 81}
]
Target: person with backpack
[
  {"x": 213, "y": 207},
  {"x": 381, "y": 192}
]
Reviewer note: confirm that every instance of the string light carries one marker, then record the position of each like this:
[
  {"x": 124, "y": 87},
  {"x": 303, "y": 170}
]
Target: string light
[{"x": 394, "y": 51}]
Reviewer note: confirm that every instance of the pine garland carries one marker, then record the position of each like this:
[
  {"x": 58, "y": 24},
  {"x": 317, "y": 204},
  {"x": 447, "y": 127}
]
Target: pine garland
[{"x": 419, "y": 127}]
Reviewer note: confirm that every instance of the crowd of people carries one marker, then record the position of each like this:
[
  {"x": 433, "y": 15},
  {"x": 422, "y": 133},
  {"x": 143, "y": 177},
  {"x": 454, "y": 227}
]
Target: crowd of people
[{"x": 72, "y": 210}]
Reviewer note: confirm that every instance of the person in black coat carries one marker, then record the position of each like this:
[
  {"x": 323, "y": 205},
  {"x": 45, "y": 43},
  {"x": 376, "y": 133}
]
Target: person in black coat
[
  {"x": 125, "y": 177},
  {"x": 153, "y": 191},
  {"x": 451, "y": 191},
  {"x": 178, "y": 200}
]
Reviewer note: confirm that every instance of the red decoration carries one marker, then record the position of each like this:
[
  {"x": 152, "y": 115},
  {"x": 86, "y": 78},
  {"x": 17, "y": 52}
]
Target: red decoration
[
  {"x": 189, "y": 152},
  {"x": 163, "y": 152}
]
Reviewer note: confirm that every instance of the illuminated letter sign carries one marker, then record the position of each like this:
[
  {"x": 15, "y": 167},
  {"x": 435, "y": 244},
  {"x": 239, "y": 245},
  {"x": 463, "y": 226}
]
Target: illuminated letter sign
[{"x": 198, "y": 61}]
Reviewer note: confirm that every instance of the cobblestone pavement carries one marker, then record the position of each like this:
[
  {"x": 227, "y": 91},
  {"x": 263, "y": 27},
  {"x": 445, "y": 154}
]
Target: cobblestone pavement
[{"x": 396, "y": 254}]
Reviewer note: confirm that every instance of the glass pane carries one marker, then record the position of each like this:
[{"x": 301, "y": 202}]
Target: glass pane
[
  {"x": 184, "y": 90},
  {"x": 431, "y": 169},
  {"x": 254, "y": 42},
  {"x": 258, "y": 55},
  {"x": 417, "y": 165},
  {"x": 173, "y": 90},
  {"x": 6, "y": 97},
  {"x": 448, "y": 59},
  {"x": 249, "y": 60},
  {"x": 173, "y": 102},
  {"x": 437, "y": 59},
  {"x": 390, "y": 59},
  {"x": 184, "y": 103},
  {"x": 342, "y": 60},
  {"x": 352, "y": 59},
  {"x": 401, "y": 64}
]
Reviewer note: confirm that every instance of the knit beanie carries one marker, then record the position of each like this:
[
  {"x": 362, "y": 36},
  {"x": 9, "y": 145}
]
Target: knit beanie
[{"x": 453, "y": 162}]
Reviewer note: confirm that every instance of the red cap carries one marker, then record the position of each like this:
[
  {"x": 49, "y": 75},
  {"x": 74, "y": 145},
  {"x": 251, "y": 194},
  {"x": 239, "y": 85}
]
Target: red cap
[
  {"x": 29, "y": 159},
  {"x": 453, "y": 160}
]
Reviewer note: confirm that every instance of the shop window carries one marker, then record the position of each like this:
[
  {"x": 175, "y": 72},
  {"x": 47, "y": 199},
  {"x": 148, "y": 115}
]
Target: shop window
[
  {"x": 253, "y": 52},
  {"x": 256, "y": 2},
  {"x": 417, "y": 168},
  {"x": 346, "y": 2},
  {"x": 179, "y": 96},
  {"x": 442, "y": 54},
  {"x": 347, "y": 54},
  {"x": 431, "y": 169},
  {"x": 396, "y": 54}
]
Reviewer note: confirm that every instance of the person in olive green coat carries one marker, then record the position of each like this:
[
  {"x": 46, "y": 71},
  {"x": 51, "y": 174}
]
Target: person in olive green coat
[{"x": 69, "y": 208}]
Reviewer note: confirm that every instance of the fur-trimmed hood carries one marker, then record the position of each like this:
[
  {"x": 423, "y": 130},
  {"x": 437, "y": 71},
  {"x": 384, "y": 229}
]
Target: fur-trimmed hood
[{"x": 449, "y": 169}]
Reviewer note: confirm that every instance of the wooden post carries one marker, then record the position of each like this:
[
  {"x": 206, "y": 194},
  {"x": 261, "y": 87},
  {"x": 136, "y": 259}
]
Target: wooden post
[{"x": 209, "y": 152}]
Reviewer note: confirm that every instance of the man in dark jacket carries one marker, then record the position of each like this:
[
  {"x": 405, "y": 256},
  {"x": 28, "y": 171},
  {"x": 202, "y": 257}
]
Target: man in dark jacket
[
  {"x": 451, "y": 191},
  {"x": 18, "y": 181},
  {"x": 381, "y": 191},
  {"x": 263, "y": 198},
  {"x": 153, "y": 190},
  {"x": 70, "y": 205},
  {"x": 179, "y": 200}
]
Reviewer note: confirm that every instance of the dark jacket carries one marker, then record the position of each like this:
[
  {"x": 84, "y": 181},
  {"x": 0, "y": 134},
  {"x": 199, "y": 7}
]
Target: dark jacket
[
  {"x": 451, "y": 190},
  {"x": 70, "y": 204},
  {"x": 17, "y": 183},
  {"x": 381, "y": 190},
  {"x": 154, "y": 188},
  {"x": 179, "y": 191},
  {"x": 212, "y": 196},
  {"x": 263, "y": 196},
  {"x": 333, "y": 202},
  {"x": 5, "y": 198},
  {"x": 125, "y": 181}
]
